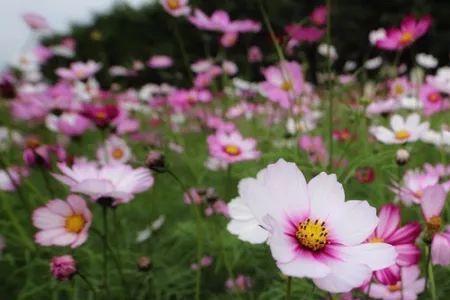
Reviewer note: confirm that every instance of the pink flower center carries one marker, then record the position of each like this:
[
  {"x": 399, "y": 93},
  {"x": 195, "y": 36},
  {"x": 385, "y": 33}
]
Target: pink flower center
[
  {"x": 312, "y": 234},
  {"x": 75, "y": 223},
  {"x": 406, "y": 38},
  {"x": 173, "y": 4},
  {"x": 232, "y": 150},
  {"x": 402, "y": 135},
  {"x": 434, "y": 97}
]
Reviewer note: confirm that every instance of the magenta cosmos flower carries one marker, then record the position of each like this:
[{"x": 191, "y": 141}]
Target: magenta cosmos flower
[
  {"x": 232, "y": 147},
  {"x": 63, "y": 267},
  {"x": 410, "y": 30},
  {"x": 402, "y": 238},
  {"x": 79, "y": 70},
  {"x": 407, "y": 288},
  {"x": 301, "y": 33},
  {"x": 313, "y": 231},
  {"x": 220, "y": 21},
  {"x": 116, "y": 182},
  {"x": 284, "y": 83},
  {"x": 176, "y": 8},
  {"x": 433, "y": 101},
  {"x": 63, "y": 223}
]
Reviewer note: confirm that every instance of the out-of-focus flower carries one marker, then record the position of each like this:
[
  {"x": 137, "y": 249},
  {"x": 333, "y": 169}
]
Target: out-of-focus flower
[
  {"x": 284, "y": 83},
  {"x": 220, "y": 21},
  {"x": 408, "y": 287},
  {"x": 36, "y": 21},
  {"x": 402, "y": 130},
  {"x": 302, "y": 33},
  {"x": 315, "y": 147},
  {"x": 69, "y": 123},
  {"x": 112, "y": 183},
  {"x": 176, "y": 8},
  {"x": 11, "y": 178},
  {"x": 409, "y": 31},
  {"x": 254, "y": 54},
  {"x": 414, "y": 184},
  {"x": 114, "y": 151},
  {"x": 309, "y": 235},
  {"x": 433, "y": 101},
  {"x": 427, "y": 61},
  {"x": 365, "y": 175},
  {"x": 155, "y": 161},
  {"x": 377, "y": 35},
  {"x": 373, "y": 63},
  {"x": 399, "y": 87},
  {"x": 79, "y": 70},
  {"x": 101, "y": 115},
  {"x": 63, "y": 267},
  {"x": 62, "y": 223},
  {"x": 232, "y": 147},
  {"x": 241, "y": 283},
  {"x": 328, "y": 51},
  {"x": 319, "y": 15},
  {"x": 441, "y": 81},
  {"x": 160, "y": 62}
]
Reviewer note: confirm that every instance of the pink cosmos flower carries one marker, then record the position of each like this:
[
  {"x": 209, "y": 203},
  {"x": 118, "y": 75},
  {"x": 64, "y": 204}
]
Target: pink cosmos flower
[
  {"x": 160, "y": 62},
  {"x": 176, "y": 8},
  {"x": 432, "y": 100},
  {"x": 220, "y": 21},
  {"x": 313, "y": 232},
  {"x": 407, "y": 288},
  {"x": 117, "y": 183},
  {"x": 79, "y": 70},
  {"x": 254, "y": 54},
  {"x": 399, "y": 87},
  {"x": 62, "y": 223},
  {"x": 284, "y": 83},
  {"x": 232, "y": 147},
  {"x": 315, "y": 147},
  {"x": 36, "y": 21},
  {"x": 241, "y": 283},
  {"x": 302, "y": 33},
  {"x": 101, "y": 115},
  {"x": 432, "y": 204},
  {"x": 414, "y": 185},
  {"x": 402, "y": 238},
  {"x": 114, "y": 151},
  {"x": 68, "y": 123},
  {"x": 63, "y": 267},
  {"x": 319, "y": 15},
  {"x": 410, "y": 30}
]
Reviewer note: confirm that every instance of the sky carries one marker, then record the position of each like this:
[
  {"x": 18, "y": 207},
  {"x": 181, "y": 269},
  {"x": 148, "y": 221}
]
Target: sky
[{"x": 15, "y": 35}]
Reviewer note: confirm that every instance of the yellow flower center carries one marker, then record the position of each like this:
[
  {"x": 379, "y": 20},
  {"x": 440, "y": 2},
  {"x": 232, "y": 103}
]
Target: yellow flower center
[
  {"x": 406, "y": 38},
  {"x": 394, "y": 287},
  {"x": 434, "y": 224},
  {"x": 101, "y": 115},
  {"x": 117, "y": 153},
  {"x": 173, "y": 4},
  {"x": 399, "y": 89},
  {"x": 286, "y": 85},
  {"x": 232, "y": 150},
  {"x": 75, "y": 223},
  {"x": 402, "y": 135},
  {"x": 312, "y": 234},
  {"x": 376, "y": 239}
]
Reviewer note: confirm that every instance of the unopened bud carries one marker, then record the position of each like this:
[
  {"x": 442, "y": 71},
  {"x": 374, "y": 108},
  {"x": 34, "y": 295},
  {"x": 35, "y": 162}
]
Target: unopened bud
[
  {"x": 402, "y": 157},
  {"x": 144, "y": 263},
  {"x": 155, "y": 161}
]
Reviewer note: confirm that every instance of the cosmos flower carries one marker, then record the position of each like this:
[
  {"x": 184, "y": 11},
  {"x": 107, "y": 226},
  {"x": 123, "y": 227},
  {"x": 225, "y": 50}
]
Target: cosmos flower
[
  {"x": 407, "y": 288},
  {"x": 401, "y": 237},
  {"x": 433, "y": 101},
  {"x": 115, "y": 150},
  {"x": 11, "y": 178},
  {"x": 402, "y": 130},
  {"x": 79, "y": 70},
  {"x": 36, "y": 21},
  {"x": 409, "y": 31},
  {"x": 68, "y": 123},
  {"x": 220, "y": 21},
  {"x": 160, "y": 62},
  {"x": 62, "y": 223},
  {"x": 284, "y": 83},
  {"x": 63, "y": 267},
  {"x": 441, "y": 81},
  {"x": 232, "y": 147},
  {"x": 426, "y": 61},
  {"x": 302, "y": 33},
  {"x": 176, "y": 8},
  {"x": 319, "y": 15},
  {"x": 414, "y": 184},
  {"x": 114, "y": 183},
  {"x": 313, "y": 232}
]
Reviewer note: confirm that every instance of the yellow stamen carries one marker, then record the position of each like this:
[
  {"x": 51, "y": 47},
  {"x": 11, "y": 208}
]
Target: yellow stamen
[
  {"x": 286, "y": 85},
  {"x": 232, "y": 150},
  {"x": 312, "y": 234},
  {"x": 117, "y": 153},
  {"x": 395, "y": 287},
  {"x": 376, "y": 239},
  {"x": 406, "y": 38},
  {"x": 173, "y": 4},
  {"x": 434, "y": 224},
  {"x": 75, "y": 223},
  {"x": 399, "y": 89},
  {"x": 402, "y": 135},
  {"x": 433, "y": 97}
]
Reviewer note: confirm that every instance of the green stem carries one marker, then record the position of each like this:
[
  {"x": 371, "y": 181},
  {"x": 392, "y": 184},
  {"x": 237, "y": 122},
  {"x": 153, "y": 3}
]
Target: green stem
[
  {"x": 271, "y": 31},
  {"x": 88, "y": 283},
  {"x": 47, "y": 182},
  {"x": 16, "y": 186},
  {"x": 182, "y": 49},
  {"x": 105, "y": 248},
  {"x": 430, "y": 278},
  {"x": 288, "y": 288},
  {"x": 329, "y": 92}
]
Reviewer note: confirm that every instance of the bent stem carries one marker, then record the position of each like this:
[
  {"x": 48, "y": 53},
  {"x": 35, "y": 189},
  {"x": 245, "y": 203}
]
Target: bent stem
[{"x": 88, "y": 283}]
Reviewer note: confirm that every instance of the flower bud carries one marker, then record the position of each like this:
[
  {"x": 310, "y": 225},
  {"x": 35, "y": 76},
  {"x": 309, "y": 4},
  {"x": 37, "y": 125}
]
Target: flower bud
[
  {"x": 63, "y": 267},
  {"x": 402, "y": 157},
  {"x": 156, "y": 162},
  {"x": 144, "y": 263}
]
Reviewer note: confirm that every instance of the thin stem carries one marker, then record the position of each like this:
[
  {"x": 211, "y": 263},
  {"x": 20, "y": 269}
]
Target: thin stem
[
  {"x": 329, "y": 93},
  {"x": 88, "y": 283},
  {"x": 228, "y": 183},
  {"x": 431, "y": 285},
  {"x": 288, "y": 288},
  {"x": 47, "y": 182},
  {"x": 271, "y": 31},
  {"x": 105, "y": 248},
  {"x": 182, "y": 48}
]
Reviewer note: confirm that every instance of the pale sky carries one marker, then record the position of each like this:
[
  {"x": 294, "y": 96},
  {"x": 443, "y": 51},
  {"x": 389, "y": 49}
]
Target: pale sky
[{"x": 15, "y": 35}]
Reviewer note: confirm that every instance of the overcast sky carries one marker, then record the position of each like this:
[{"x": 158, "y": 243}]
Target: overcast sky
[{"x": 59, "y": 13}]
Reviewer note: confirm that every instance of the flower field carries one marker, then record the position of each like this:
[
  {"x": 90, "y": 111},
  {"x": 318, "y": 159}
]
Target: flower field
[{"x": 267, "y": 174}]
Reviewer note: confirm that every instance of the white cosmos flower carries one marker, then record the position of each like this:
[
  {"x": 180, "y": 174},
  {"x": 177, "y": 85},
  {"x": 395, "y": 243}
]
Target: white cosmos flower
[
  {"x": 310, "y": 228},
  {"x": 373, "y": 63},
  {"x": 441, "y": 80},
  {"x": 427, "y": 61},
  {"x": 327, "y": 50},
  {"x": 401, "y": 131},
  {"x": 376, "y": 35}
]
